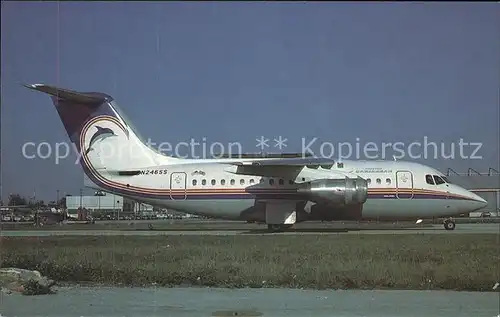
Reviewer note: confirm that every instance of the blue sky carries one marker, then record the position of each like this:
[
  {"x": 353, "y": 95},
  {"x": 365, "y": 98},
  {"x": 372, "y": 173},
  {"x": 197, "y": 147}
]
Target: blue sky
[{"x": 231, "y": 72}]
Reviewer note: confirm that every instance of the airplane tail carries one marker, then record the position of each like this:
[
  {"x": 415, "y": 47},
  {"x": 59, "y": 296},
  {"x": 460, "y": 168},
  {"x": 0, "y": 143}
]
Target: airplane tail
[{"x": 100, "y": 131}]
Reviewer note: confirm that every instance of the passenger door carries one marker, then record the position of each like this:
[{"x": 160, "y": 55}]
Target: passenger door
[
  {"x": 178, "y": 182},
  {"x": 404, "y": 184}
]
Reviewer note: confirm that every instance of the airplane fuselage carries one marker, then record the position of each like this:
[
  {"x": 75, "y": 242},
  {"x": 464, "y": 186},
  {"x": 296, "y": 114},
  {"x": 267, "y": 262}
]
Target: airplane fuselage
[
  {"x": 396, "y": 189},
  {"x": 279, "y": 191}
]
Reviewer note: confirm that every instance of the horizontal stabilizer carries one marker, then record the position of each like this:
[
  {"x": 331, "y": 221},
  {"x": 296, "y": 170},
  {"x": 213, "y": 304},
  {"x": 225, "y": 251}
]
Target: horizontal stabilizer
[
  {"x": 124, "y": 172},
  {"x": 69, "y": 95},
  {"x": 128, "y": 173}
]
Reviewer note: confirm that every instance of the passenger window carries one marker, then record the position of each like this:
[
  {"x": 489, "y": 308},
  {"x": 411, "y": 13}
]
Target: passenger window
[
  {"x": 194, "y": 182},
  {"x": 223, "y": 182},
  {"x": 388, "y": 181},
  {"x": 429, "y": 180},
  {"x": 369, "y": 181},
  {"x": 242, "y": 181},
  {"x": 271, "y": 181},
  {"x": 213, "y": 182},
  {"x": 252, "y": 181},
  {"x": 204, "y": 182},
  {"x": 379, "y": 181},
  {"x": 282, "y": 182},
  {"x": 232, "y": 182},
  {"x": 291, "y": 182},
  {"x": 438, "y": 180},
  {"x": 261, "y": 180}
]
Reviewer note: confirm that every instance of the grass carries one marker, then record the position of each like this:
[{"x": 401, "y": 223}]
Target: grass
[{"x": 458, "y": 262}]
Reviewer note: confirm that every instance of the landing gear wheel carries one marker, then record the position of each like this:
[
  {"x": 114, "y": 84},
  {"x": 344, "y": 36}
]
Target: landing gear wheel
[
  {"x": 278, "y": 227},
  {"x": 449, "y": 224}
]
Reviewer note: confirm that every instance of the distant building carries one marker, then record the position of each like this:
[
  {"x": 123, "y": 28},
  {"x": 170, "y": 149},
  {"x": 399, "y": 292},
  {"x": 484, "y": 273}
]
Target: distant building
[{"x": 105, "y": 203}]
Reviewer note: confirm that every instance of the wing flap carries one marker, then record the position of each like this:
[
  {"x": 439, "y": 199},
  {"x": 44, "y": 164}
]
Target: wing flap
[
  {"x": 288, "y": 162},
  {"x": 277, "y": 167}
]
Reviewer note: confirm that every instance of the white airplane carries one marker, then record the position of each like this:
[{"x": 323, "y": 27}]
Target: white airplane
[{"x": 277, "y": 191}]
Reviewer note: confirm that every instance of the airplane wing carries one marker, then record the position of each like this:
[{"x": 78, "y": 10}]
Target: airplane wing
[
  {"x": 299, "y": 161},
  {"x": 266, "y": 167},
  {"x": 277, "y": 167}
]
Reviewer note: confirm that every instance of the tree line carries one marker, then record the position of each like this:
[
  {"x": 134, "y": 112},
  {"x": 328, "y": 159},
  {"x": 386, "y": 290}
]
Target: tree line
[{"x": 19, "y": 200}]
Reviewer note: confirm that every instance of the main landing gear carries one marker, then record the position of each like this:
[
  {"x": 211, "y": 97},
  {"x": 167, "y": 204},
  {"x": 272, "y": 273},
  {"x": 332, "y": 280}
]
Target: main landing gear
[{"x": 449, "y": 224}]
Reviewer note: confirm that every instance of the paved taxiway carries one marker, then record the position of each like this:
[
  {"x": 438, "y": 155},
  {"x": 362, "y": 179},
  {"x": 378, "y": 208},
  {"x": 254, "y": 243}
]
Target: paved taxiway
[
  {"x": 194, "y": 302},
  {"x": 488, "y": 228}
]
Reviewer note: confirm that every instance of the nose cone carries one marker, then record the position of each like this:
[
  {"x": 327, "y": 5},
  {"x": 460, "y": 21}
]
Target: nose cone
[
  {"x": 477, "y": 202},
  {"x": 470, "y": 201}
]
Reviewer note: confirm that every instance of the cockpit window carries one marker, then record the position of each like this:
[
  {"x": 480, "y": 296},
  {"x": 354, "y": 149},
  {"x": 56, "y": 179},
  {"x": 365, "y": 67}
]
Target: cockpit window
[
  {"x": 446, "y": 179},
  {"x": 429, "y": 180},
  {"x": 438, "y": 180}
]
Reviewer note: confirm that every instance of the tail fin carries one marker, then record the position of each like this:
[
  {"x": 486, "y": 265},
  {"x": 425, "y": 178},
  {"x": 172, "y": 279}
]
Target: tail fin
[{"x": 100, "y": 131}]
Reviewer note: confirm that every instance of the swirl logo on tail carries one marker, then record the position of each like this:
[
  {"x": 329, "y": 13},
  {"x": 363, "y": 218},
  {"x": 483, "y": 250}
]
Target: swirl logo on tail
[{"x": 99, "y": 135}]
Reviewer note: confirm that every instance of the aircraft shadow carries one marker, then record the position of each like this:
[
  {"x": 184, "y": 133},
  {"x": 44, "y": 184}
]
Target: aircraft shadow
[
  {"x": 292, "y": 230},
  {"x": 332, "y": 230}
]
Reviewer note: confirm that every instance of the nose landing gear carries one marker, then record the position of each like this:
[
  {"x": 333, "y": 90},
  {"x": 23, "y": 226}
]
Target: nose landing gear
[{"x": 449, "y": 224}]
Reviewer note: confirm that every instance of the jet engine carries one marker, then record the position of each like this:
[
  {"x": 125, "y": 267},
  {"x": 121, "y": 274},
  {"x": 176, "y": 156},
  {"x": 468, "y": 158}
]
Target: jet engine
[{"x": 336, "y": 192}]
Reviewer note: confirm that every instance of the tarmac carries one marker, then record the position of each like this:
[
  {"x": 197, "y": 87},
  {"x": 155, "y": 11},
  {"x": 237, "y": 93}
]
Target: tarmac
[
  {"x": 79, "y": 301},
  {"x": 194, "y": 302},
  {"x": 485, "y": 228}
]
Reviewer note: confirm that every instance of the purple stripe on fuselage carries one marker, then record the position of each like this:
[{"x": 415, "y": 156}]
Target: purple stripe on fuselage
[{"x": 274, "y": 193}]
